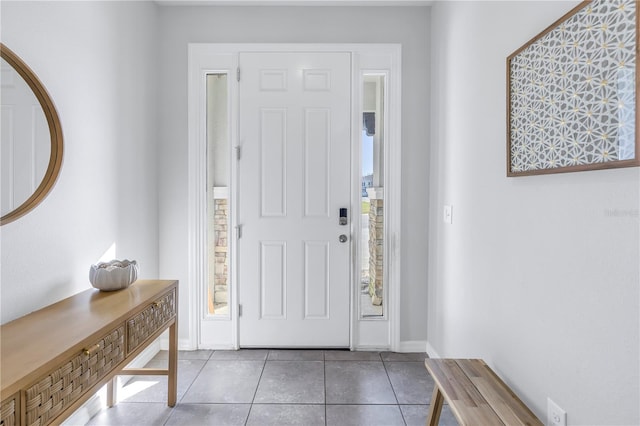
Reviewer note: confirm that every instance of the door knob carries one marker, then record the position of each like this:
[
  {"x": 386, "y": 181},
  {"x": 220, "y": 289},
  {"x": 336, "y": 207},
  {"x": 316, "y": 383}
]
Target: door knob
[{"x": 343, "y": 238}]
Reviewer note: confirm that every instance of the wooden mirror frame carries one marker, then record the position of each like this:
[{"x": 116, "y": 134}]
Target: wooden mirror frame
[{"x": 55, "y": 132}]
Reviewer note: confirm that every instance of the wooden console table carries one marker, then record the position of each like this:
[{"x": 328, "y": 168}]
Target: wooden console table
[{"x": 53, "y": 360}]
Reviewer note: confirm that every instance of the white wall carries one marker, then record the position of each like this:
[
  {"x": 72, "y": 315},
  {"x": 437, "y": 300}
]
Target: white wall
[
  {"x": 406, "y": 25},
  {"x": 97, "y": 60},
  {"x": 536, "y": 275}
]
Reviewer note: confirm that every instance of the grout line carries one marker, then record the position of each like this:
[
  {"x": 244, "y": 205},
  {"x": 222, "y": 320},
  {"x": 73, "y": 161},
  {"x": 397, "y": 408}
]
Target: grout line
[
  {"x": 324, "y": 371},
  {"x": 173, "y": 409},
  {"x": 264, "y": 360},
  {"x": 178, "y": 401},
  {"x": 197, "y": 403},
  {"x": 395, "y": 395},
  {"x": 305, "y": 404},
  {"x": 264, "y": 364}
]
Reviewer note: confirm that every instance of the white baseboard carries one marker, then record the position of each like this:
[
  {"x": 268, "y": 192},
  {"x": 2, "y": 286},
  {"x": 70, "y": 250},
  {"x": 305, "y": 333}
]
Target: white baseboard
[
  {"x": 183, "y": 344},
  {"x": 431, "y": 351},
  {"x": 412, "y": 346},
  {"x": 146, "y": 355},
  {"x": 164, "y": 343},
  {"x": 369, "y": 348},
  {"x": 90, "y": 408},
  {"x": 216, "y": 347}
]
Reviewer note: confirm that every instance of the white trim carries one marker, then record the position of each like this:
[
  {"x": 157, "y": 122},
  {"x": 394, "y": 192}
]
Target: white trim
[
  {"x": 221, "y": 192},
  {"x": 89, "y": 409},
  {"x": 393, "y": 3},
  {"x": 183, "y": 345},
  {"x": 194, "y": 204},
  {"x": 366, "y": 348},
  {"x": 431, "y": 351},
  {"x": 393, "y": 202},
  {"x": 375, "y": 193},
  {"x": 208, "y": 57},
  {"x": 146, "y": 355},
  {"x": 385, "y": 61},
  {"x": 202, "y": 61},
  {"x": 412, "y": 346},
  {"x": 356, "y": 95}
]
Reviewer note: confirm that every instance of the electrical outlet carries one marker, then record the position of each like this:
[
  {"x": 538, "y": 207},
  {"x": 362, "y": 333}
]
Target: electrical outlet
[{"x": 556, "y": 416}]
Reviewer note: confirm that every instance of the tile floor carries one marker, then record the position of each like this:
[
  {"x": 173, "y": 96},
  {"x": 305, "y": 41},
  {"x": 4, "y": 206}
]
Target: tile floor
[{"x": 281, "y": 387}]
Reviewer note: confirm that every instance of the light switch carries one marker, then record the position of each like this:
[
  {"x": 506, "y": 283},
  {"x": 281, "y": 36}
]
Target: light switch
[{"x": 448, "y": 214}]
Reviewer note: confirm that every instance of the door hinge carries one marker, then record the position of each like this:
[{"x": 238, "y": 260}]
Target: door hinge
[
  {"x": 239, "y": 310},
  {"x": 238, "y": 73},
  {"x": 238, "y": 232},
  {"x": 238, "y": 152}
]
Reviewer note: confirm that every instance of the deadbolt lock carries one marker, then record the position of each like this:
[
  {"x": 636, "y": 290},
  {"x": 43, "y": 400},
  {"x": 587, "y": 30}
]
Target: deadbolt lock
[{"x": 344, "y": 217}]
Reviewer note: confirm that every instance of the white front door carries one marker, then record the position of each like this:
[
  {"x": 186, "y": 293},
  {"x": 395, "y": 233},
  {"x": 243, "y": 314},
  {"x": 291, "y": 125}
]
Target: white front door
[{"x": 294, "y": 177}]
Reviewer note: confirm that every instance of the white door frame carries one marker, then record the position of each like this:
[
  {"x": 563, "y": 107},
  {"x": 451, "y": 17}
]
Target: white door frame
[{"x": 204, "y": 58}]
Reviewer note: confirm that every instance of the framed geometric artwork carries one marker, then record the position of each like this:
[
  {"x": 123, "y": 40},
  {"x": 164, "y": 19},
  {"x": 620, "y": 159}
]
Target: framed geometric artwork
[{"x": 572, "y": 101}]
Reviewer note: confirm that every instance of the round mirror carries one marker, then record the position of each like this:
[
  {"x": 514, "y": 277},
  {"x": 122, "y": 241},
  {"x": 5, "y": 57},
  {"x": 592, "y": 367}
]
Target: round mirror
[{"x": 30, "y": 139}]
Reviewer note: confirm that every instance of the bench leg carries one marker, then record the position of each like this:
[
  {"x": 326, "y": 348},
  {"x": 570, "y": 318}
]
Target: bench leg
[{"x": 435, "y": 407}]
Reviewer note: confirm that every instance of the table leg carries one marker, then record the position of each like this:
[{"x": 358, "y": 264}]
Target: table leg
[
  {"x": 112, "y": 389},
  {"x": 435, "y": 407},
  {"x": 173, "y": 365}
]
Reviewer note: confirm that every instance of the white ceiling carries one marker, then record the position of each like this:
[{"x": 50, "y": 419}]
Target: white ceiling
[{"x": 294, "y": 2}]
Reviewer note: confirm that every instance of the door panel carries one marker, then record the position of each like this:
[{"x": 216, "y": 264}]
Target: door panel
[
  {"x": 317, "y": 137},
  {"x": 316, "y": 279},
  {"x": 273, "y": 161},
  {"x": 273, "y": 280},
  {"x": 293, "y": 179}
]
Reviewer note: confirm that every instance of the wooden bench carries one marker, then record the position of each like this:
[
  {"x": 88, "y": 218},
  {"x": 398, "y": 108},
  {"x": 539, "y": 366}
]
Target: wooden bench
[{"x": 475, "y": 395}]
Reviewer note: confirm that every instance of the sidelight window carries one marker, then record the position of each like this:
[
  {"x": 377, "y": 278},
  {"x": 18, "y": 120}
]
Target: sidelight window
[
  {"x": 218, "y": 176},
  {"x": 372, "y": 247}
]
